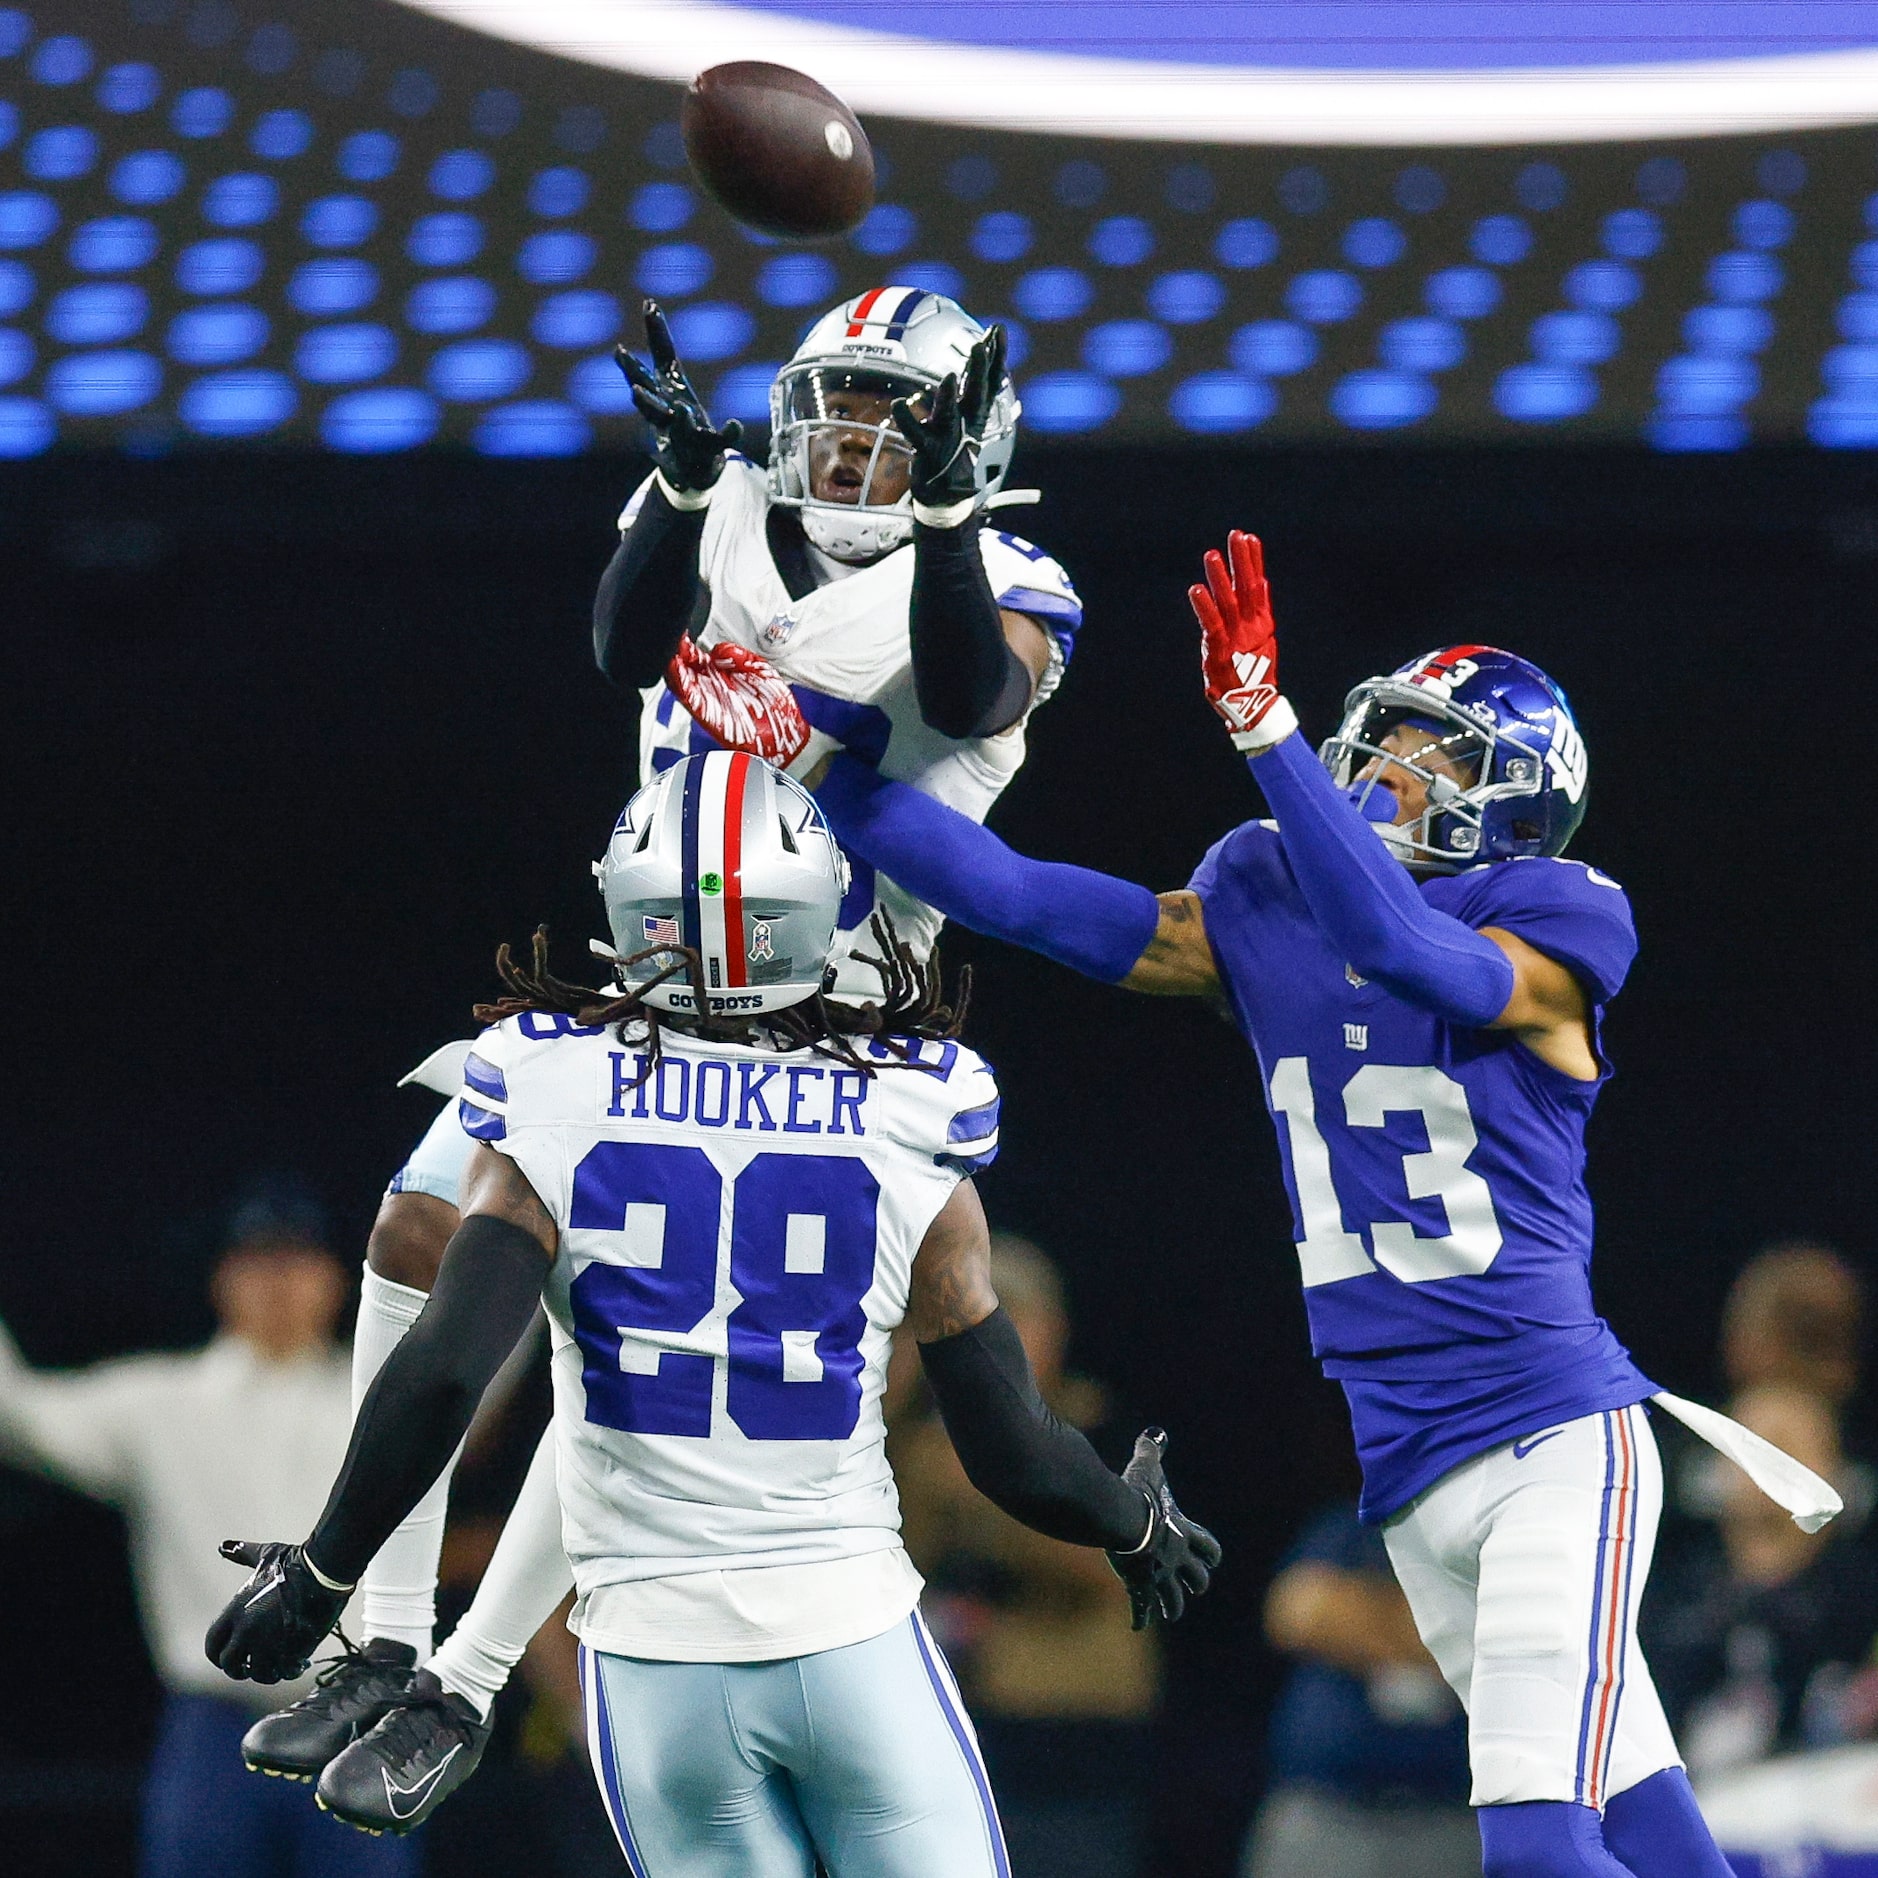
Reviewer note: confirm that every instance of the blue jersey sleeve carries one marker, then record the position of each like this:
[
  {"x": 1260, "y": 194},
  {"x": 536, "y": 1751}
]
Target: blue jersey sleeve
[{"x": 1567, "y": 910}]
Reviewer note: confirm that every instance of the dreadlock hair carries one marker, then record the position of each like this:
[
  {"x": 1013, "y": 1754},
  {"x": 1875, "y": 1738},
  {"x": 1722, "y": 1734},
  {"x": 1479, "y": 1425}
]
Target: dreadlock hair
[{"x": 911, "y": 1009}]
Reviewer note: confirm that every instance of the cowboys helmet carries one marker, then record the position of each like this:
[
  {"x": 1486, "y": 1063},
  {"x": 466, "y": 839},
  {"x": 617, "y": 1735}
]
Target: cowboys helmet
[
  {"x": 1492, "y": 715},
  {"x": 890, "y": 342},
  {"x": 725, "y": 855}
]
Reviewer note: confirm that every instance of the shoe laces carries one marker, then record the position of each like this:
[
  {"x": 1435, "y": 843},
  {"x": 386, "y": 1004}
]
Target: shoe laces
[
  {"x": 411, "y": 1727},
  {"x": 328, "y": 1673}
]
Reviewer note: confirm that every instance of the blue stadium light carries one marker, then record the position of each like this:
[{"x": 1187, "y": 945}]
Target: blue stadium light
[
  {"x": 393, "y": 417},
  {"x": 1070, "y": 402},
  {"x": 1851, "y": 372},
  {"x": 476, "y": 370},
  {"x": 1544, "y": 394},
  {"x": 205, "y": 111},
  {"x": 598, "y": 385},
  {"x": 64, "y": 59},
  {"x": 1419, "y": 189},
  {"x": 556, "y": 256},
  {"x": 1726, "y": 329},
  {"x": 1218, "y": 403},
  {"x": 1374, "y": 242},
  {"x": 1382, "y": 400},
  {"x": 98, "y": 313},
  {"x": 1324, "y": 296},
  {"x": 494, "y": 113},
  {"x": 126, "y": 89},
  {"x": 1632, "y": 234},
  {"x": 1016, "y": 339},
  {"x": 585, "y": 317},
  {"x": 339, "y": 284},
  {"x": 743, "y": 392},
  {"x": 887, "y": 228},
  {"x": 1081, "y": 184},
  {"x": 1660, "y": 181},
  {"x": 1422, "y": 344},
  {"x": 1575, "y": 338},
  {"x": 368, "y": 156},
  {"x": 413, "y": 93},
  {"x": 580, "y": 129},
  {"x": 1603, "y": 286},
  {"x": 103, "y": 384},
  {"x": 1247, "y": 242},
  {"x": 271, "y": 51},
  {"x": 1865, "y": 264},
  {"x": 537, "y": 428},
  {"x": 452, "y": 303},
  {"x": 238, "y": 404},
  {"x": 1126, "y": 348},
  {"x": 147, "y": 177},
  {"x": 560, "y": 191},
  {"x": 1741, "y": 278},
  {"x": 1304, "y": 191},
  {"x": 661, "y": 208},
  {"x": 1003, "y": 235},
  {"x": 244, "y": 200},
  {"x": 712, "y": 330},
  {"x": 223, "y": 334},
  {"x": 1763, "y": 225},
  {"x": 1706, "y": 386},
  {"x": 9, "y": 122},
  {"x": 1540, "y": 187},
  {"x": 665, "y": 145},
  {"x": 113, "y": 244},
  {"x": 345, "y": 355},
  {"x": 60, "y": 154},
  {"x": 1857, "y": 317},
  {"x": 1053, "y": 293},
  {"x": 27, "y": 427},
  {"x": 280, "y": 135},
  {"x": 971, "y": 178},
  {"x": 1121, "y": 241},
  {"x": 674, "y": 270},
  {"x": 934, "y": 277},
  {"x": 18, "y": 355},
  {"x": 1666, "y": 432},
  {"x": 461, "y": 175},
  {"x": 26, "y": 219},
  {"x": 17, "y": 288},
  {"x": 1189, "y": 188},
  {"x": 1273, "y": 348},
  {"x": 1499, "y": 240},
  {"x": 226, "y": 265},
  {"x": 1186, "y": 297},
  {"x": 796, "y": 280},
  {"x": 339, "y": 221},
  {"x": 1463, "y": 293},
  {"x": 16, "y": 31},
  {"x": 446, "y": 239},
  {"x": 1781, "y": 172},
  {"x": 339, "y": 70}
]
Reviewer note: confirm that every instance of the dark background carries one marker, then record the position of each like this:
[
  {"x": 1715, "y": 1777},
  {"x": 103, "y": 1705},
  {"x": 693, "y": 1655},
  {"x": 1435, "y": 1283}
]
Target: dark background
[{"x": 294, "y": 742}]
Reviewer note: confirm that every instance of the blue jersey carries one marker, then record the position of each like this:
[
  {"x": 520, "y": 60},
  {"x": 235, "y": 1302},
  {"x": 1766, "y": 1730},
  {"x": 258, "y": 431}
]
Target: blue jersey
[{"x": 1436, "y": 1172}]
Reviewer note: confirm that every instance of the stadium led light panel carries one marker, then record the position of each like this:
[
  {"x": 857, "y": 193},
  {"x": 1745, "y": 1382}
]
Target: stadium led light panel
[{"x": 362, "y": 227}]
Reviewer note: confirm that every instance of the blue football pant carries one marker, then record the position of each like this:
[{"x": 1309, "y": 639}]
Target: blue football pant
[{"x": 861, "y": 1756}]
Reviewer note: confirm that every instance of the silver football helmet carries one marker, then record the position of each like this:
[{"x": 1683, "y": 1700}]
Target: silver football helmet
[
  {"x": 725, "y": 855},
  {"x": 891, "y": 342}
]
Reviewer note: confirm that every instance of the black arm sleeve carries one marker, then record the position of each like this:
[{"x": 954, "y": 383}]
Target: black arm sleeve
[
  {"x": 1015, "y": 1452},
  {"x": 647, "y": 592},
  {"x": 417, "y": 1410},
  {"x": 968, "y": 680}
]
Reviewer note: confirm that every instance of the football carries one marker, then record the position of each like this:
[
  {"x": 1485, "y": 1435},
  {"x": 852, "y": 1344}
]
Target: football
[{"x": 781, "y": 153}]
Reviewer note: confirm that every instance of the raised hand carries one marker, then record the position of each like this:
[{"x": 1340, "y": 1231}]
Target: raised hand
[
  {"x": 1177, "y": 1559},
  {"x": 1239, "y": 645},
  {"x": 945, "y": 443},
  {"x": 691, "y": 451},
  {"x": 270, "y": 1628},
  {"x": 740, "y": 698}
]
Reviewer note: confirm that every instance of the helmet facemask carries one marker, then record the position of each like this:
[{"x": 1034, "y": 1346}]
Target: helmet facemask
[{"x": 833, "y": 419}]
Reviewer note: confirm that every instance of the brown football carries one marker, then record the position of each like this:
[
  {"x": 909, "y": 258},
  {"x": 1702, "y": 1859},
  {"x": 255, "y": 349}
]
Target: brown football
[{"x": 783, "y": 154}]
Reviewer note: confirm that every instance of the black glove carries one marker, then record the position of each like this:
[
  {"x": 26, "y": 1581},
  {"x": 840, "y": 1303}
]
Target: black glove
[
  {"x": 1177, "y": 1559},
  {"x": 690, "y": 453},
  {"x": 273, "y": 1624},
  {"x": 945, "y": 443}
]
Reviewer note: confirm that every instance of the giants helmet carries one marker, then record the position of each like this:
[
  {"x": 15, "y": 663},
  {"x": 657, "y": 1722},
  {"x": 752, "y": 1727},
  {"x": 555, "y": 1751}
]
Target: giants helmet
[
  {"x": 891, "y": 342},
  {"x": 729, "y": 857},
  {"x": 1490, "y": 713}
]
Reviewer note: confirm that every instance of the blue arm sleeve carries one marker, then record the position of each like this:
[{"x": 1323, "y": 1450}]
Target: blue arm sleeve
[
  {"x": 1093, "y": 923},
  {"x": 1367, "y": 905}
]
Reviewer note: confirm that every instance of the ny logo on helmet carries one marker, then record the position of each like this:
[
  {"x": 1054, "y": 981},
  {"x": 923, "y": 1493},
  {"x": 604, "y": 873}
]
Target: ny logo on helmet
[{"x": 1566, "y": 759}]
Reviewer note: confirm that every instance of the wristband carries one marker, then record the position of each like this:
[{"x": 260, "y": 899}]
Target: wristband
[
  {"x": 944, "y": 515},
  {"x": 685, "y": 501},
  {"x": 1147, "y": 1538},
  {"x": 331, "y": 1584},
  {"x": 1273, "y": 728}
]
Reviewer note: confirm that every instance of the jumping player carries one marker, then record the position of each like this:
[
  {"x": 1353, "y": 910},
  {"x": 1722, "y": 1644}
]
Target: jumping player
[
  {"x": 862, "y": 564},
  {"x": 727, "y": 1200},
  {"x": 1425, "y": 1008}
]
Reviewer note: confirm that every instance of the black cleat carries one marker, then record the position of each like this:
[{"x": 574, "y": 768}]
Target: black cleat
[
  {"x": 395, "y": 1777},
  {"x": 351, "y": 1694}
]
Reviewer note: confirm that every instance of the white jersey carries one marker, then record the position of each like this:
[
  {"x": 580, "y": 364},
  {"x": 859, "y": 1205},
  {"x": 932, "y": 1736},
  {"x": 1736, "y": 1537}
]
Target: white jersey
[
  {"x": 737, "y": 1241},
  {"x": 841, "y": 638}
]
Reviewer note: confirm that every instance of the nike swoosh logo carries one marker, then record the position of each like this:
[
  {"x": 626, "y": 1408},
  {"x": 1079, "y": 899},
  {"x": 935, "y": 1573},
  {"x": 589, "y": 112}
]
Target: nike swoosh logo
[
  {"x": 417, "y": 1794},
  {"x": 1522, "y": 1448},
  {"x": 269, "y": 1583}
]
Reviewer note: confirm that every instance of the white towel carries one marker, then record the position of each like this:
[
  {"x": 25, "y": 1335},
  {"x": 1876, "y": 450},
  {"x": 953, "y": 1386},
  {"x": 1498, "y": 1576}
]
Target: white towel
[{"x": 1808, "y": 1498}]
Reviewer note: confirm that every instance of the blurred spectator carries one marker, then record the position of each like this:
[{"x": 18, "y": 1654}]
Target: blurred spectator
[
  {"x": 239, "y": 1439},
  {"x": 1796, "y": 1315},
  {"x": 1368, "y": 1747},
  {"x": 1758, "y": 1639},
  {"x": 1059, "y": 1687}
]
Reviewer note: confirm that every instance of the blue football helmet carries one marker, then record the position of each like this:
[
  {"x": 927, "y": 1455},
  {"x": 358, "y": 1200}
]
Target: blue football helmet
[{"x": 1495, "y": 717}]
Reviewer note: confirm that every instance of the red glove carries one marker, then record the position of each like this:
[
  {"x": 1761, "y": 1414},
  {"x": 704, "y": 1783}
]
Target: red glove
[
  {"x": 1239, "y": 646},
  {"x": 740, "y": 698}
]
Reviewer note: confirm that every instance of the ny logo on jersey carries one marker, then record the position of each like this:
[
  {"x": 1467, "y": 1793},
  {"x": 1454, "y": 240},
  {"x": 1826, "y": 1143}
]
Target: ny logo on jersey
[
  {"x": 760, "y": 947},
  {"x": 1356, "y": 1036},
  {"x": 1566, "y": 759}
]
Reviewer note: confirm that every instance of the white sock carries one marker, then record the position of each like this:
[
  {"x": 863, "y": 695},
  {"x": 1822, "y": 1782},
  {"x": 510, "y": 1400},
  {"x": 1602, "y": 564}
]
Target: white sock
[
  {"x": 528, "y": 1576},
  {"x": 398, "y": 1594}
]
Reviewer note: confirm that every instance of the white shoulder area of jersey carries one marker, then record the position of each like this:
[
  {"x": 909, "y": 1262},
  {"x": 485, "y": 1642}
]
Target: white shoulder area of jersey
[
  {"x": 1027, "y": 580},
  {"x": 527, "y": 1070},
  {"x": 1595, "y": 875},
  {"x": 944, "y": 1108},
  {"x": 442, "y": 1069}
]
